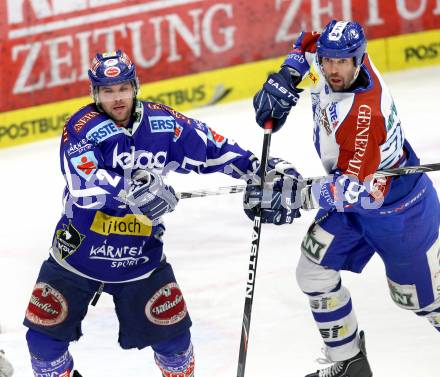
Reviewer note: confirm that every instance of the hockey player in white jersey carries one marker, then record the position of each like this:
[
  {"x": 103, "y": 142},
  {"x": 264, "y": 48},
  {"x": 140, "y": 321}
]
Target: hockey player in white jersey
[{"x": 357, "y": 131}]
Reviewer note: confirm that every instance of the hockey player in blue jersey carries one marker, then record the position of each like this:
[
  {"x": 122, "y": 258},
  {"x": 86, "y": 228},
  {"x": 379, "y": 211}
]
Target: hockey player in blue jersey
[
  {"x": 357, "y": 131},
  {"x": 114, "y": 153}
]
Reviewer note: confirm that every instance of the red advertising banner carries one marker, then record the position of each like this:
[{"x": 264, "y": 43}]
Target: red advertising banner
[{"x": 47, "y": 45}]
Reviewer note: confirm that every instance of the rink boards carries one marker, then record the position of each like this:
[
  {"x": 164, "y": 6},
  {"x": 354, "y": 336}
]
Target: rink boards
[{"x": 214, "y": 86}]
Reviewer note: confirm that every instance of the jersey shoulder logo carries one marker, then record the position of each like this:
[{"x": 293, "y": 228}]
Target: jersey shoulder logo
[
  {"x": 161, "y": 123},
  {"x": 103, "y": 131},
  {"x": 216, "y": 138},
  {"x": 81, "y": 122}
]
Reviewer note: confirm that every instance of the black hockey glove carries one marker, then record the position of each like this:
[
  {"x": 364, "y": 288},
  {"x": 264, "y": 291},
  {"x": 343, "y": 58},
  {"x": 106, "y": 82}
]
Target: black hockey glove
[
  {"x": 278, "y": 199},
  {"x": 149, "y": 195},
  {"x": 276, "y": 98}
]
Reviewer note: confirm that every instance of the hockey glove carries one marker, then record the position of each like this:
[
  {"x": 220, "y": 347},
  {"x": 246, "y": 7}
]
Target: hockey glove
[
  {"x": 277, "y": 200},
  {"x": 339, "y": 191},
  {"x": 149, "y": 195},
  {"x": 275, "y": 99},
  {"x": 296, "y": 59}
]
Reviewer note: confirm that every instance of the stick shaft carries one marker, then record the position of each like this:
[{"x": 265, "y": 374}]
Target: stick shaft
[
  {"x": 380, "y": 173},
  {"x": 253, "y": 258}
]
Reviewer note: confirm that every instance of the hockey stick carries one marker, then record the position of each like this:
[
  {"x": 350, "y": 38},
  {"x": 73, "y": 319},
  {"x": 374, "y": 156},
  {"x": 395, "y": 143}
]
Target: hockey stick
[
  {"x": 253, "y": 258},
  {"x": 222, "y": 190},
  {"x": 393, "y": 172},
  {"x": 309, "y": 181}
]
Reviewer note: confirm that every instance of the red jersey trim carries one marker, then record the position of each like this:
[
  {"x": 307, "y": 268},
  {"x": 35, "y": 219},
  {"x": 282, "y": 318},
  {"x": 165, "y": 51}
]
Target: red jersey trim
[{"x": 363, "y": 131}]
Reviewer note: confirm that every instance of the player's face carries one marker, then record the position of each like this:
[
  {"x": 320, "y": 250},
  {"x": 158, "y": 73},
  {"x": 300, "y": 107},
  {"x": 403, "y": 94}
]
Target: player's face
[
  {"x": 339, "y": 73},
  {"x": 117, "y": 101}
]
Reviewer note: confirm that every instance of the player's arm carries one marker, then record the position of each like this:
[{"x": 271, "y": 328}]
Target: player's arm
[
  {"x": 197, "y": 147},
  {"x": 280, "y": 93}
]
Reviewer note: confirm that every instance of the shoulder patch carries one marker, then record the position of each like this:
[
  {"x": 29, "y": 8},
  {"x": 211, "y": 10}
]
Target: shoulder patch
[
  {"x": 103, "y": 131},
  {"x": 161, "y": 123},
  {"x": 217, "y": 139},
  {"x": 81, "y": 122}
]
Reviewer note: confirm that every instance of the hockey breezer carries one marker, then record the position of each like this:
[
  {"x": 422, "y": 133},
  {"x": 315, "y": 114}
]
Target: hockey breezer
[
  {"x": 223, "y": 190},
  {"x": 253, "y": 258}
]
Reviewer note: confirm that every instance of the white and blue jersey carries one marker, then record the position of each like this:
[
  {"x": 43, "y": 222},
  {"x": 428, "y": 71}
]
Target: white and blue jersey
[
  {"x": 98, "y": 236},
  {"x": 357, "y": 132}
]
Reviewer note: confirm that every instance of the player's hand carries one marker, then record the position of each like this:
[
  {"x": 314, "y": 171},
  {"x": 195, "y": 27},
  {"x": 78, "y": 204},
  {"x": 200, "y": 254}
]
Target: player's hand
[
  {"x": 149, "y": 195},
  {"x": 296, "y": 59},
  {"x": 338, "y": 192},
  {"x": 277, "y": 200},
  {"x": 275, "y": 99}
]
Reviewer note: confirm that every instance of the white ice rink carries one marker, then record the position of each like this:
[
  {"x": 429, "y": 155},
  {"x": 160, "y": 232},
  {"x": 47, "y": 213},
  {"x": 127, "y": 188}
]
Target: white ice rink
[{"x": 208, "y": 244}]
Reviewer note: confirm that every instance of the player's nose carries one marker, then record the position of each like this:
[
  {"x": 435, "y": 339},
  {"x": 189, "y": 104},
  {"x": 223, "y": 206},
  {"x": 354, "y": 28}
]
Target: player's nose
[{"x": 334, "y": 69}]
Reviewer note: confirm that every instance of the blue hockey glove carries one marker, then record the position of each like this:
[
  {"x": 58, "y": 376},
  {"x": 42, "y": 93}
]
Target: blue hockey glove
[
  {"x": 278, "y": 199},
  {"x": 275, "y": 99},
  {"x": 339, "y": 191},
  {"x": 149, "y": 195}
]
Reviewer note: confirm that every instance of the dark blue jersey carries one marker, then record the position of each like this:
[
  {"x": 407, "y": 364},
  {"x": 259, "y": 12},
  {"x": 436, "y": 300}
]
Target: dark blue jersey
[{"x": 98, "y": 236}]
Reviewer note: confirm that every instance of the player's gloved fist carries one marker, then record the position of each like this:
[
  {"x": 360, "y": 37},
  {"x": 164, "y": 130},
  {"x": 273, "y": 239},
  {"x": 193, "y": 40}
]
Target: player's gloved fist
[
  {"x": 296, "y": 59},
  {"x": 149, "y": 195},
  {"x": 277, "y": 200},
  {"x": 275, "y": 99},
  {"x": 339, "y": 192}
]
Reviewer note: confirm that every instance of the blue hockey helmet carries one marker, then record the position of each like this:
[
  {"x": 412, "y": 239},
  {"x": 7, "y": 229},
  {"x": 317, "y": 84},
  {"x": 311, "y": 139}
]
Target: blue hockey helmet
[
  {"x": 342, "y": 39},
  {"x": 112, "y": 68}
]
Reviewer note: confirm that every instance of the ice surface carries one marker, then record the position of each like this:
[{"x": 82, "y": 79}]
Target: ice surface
[{"x": 208, "y": 244}]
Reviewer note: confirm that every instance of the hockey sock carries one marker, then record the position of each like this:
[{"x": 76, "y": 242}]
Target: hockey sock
[
  {"x": 61, "y": 367},
  {"x": 171, "y": 360},
  {"x": 44, "y": 346},
  {"x": 177, "y": 365},
  {"x": 49, "y": 356},
  {"x": 336, "y": 321}
]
